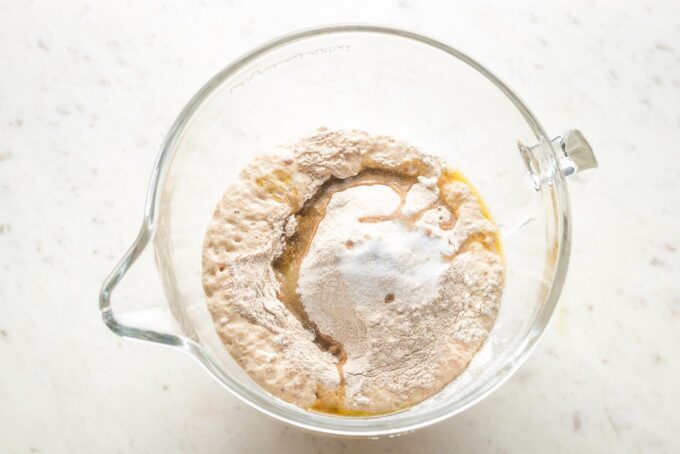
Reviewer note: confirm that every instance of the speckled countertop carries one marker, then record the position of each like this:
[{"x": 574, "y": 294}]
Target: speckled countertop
[{"x": 88, "y": 92}]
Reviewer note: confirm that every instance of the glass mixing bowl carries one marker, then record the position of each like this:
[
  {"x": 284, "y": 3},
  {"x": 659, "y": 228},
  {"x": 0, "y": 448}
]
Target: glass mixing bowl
[{"x": 383, "y": 81}]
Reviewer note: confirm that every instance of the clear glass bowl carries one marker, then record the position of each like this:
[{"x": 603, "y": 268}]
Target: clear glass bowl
[{"x": 383, "y": 81}]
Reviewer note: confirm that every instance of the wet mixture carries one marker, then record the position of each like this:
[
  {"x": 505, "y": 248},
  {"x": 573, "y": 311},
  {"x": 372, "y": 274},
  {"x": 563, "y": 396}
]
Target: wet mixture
[{"x": 352, "y": 274}]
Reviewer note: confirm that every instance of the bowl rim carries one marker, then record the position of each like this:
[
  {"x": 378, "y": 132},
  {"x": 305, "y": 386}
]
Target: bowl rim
[{"x": 287, "y": 413}]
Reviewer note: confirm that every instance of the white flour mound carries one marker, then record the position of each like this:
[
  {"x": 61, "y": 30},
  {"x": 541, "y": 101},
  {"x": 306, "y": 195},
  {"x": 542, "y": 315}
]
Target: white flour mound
[{"x": 411, "y": 303}]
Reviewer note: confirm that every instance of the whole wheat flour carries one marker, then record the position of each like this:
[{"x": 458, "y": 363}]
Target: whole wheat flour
[{"x": 352, "y": 274}]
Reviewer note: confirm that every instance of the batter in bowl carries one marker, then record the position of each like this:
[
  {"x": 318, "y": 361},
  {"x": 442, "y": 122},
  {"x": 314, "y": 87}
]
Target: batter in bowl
[{"x": 352, "y": 274}]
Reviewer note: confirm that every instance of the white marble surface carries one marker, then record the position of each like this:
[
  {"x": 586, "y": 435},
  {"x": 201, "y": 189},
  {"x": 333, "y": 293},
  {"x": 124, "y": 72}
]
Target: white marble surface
[{"x": 87, "y": 92}]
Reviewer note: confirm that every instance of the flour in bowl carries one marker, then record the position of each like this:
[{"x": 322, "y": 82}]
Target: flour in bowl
[{"x": 352, "y": 274}]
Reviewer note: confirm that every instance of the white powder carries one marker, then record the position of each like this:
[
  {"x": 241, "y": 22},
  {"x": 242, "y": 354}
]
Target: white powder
[
  {"x": 397, "y": 260},
  {"x": 410, "y": 297},
  {"x": 341, "y": 287},
  {"x": 422, "y": 195}
]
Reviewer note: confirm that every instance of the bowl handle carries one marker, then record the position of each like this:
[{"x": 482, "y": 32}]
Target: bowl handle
[
  {"x": 574, "y": 154},
  {"x": 152, "y": 324}
]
